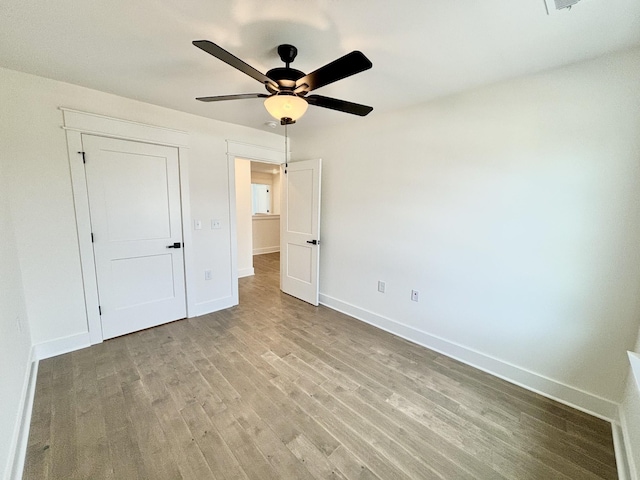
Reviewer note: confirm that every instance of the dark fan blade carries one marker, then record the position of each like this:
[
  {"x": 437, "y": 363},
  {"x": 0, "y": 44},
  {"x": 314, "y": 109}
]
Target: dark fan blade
[
  {"x": 350, "y": 64},
  {"x": 234, "y": 61},
  {"x": 232, "y": 97},
  {"x": 341, "y": 105}
]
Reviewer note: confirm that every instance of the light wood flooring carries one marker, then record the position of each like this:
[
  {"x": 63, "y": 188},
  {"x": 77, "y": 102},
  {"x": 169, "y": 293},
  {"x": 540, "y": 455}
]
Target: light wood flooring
[{"x": 278, "y": 389}]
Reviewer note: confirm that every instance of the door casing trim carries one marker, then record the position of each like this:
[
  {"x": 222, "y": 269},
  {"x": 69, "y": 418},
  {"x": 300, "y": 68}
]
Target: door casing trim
[{"x": 76, "y": 123}]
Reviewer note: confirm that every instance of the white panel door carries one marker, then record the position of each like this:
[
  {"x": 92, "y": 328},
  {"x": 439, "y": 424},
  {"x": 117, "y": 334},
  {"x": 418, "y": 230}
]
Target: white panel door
[
  {"x": 134, "y": 201},
  {"x": 300, "y": 230}
]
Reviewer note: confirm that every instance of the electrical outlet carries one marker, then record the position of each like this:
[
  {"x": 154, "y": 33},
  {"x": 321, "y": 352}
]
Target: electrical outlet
[
  {"x": 414, "y": 295},
  {"x": 208, "y": 274},
  {"x": 381, "y": 286}
]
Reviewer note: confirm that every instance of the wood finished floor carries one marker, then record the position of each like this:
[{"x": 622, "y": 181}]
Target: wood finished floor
[{"x": 278, "y": 389}]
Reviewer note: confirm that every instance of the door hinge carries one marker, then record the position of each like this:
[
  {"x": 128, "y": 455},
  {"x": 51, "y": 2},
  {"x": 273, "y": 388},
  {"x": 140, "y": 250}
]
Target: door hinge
[
  {"x": 92, "y": 237},
  {"x": 84, "y": 159},
  {"x": 99, "y": 310}
]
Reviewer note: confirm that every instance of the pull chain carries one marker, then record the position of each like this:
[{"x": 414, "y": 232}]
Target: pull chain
[{"x": 286, "y": 148}]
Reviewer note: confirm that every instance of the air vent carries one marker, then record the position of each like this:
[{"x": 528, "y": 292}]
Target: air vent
[{"x": 555, "y": 5}]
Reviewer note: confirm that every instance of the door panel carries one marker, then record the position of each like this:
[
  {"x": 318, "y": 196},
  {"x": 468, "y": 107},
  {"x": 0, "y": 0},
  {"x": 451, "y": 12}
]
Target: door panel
[
  {"x": 300, "y": 205},
  {"x": 299, "y": 262},
  {"x": 151, "y": 217},
  {"x": 299, "y": 227},
  {"x": 134, "y": 200}
]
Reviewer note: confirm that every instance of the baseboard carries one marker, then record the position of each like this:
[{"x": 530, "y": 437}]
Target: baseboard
[
  {"x": 264, "y": 250},
  {"x": 214, "y": 306},
  {"x": 626, "y": 471},
  {"x": 563, "y": 393},
  {"x": 59, "y": 346},
  {"x": 21, "y": 434},
  {"x": 245, "y": 272}
]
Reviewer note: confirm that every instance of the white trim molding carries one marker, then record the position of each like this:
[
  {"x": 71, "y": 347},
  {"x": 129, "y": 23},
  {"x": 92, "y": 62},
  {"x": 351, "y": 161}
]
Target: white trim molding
[
  {"x": 60, "y": 346},
  {"x": 76, "y": 124},
  {"x": 211, "y": 306},
  {"x": 246, "y": 272},
  {"x": 264, "y": 250},
  {"x": 566, "y": 394},
  {"x": 620, "y": 449},
  {"x": 96, "y": 124},
  {"x": 255, "y": 152},
  {"x": 20, "y": 438}
]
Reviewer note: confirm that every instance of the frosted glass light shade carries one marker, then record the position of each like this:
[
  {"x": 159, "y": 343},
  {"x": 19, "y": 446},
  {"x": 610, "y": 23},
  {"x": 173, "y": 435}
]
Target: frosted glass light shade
[{"x": 286, "y": 106}]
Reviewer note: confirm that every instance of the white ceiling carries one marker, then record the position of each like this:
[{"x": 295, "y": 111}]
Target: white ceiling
[{"x": 420, "y": 49}]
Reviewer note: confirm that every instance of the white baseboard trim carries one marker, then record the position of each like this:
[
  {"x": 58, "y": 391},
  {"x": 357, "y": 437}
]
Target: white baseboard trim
[
  {"x": 626, "y": 471},
  {"x": 21, "y": 434},
  {"x": 213, "y": 306},
  {"x": 264, "y": 250},
  {"x": 59, "y": 346},
  {"x": 246, "y": 272},
  {"x": 563, "y": 393}
]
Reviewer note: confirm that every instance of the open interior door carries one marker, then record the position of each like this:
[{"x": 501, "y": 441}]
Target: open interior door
[{"x": 300, "y": 230}]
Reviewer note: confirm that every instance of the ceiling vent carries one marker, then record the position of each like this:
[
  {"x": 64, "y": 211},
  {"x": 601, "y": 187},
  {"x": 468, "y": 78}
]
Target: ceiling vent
[{"x": 555, "y": 5}]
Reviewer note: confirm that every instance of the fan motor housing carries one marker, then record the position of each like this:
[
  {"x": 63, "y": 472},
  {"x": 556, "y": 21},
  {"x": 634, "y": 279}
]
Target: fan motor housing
[{"x": 284, "y": 77}]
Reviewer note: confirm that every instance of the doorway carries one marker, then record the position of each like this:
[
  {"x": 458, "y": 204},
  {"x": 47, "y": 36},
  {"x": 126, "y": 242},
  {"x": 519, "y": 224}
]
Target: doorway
[
  {"x": 295, "y": 189},
  {"x": 257, "y": 191}
]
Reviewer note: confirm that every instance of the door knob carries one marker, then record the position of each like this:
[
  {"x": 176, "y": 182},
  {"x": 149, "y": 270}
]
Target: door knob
[
  {"x": 314, "y": 242},
  {"x": 175, "y": 245}
]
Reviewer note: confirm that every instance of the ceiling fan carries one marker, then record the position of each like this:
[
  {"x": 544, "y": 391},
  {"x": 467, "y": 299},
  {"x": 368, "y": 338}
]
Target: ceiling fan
[{"x": 287, "y": 99}]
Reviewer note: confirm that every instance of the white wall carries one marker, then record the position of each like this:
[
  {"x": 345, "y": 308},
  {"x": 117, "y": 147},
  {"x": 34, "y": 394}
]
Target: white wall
[
  {"x": 266, "y": 234},
  {"x": 243, "y": 217},
  {"x": 513, "y": 209},
  {"x": 47, "y": 247},
  {"x": 15, "y": 341}
]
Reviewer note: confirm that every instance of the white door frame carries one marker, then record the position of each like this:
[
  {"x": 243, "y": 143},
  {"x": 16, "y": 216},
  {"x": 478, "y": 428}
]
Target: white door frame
[
  {"x": 77, "y": 123},
  {"x": 248, "y": 152}
]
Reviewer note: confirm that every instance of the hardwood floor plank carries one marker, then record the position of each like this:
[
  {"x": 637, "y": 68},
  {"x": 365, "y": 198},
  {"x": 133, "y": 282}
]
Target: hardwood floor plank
[
  {"x": 63, "y": 420},
  {"x": 223, "y": 464},
  {"x": 156, "y": 455},
  {"x": 317, "y": 463},
  {"x": 350, "y": 466},
  {"x": 119, "y": 431},
  {"x": 93, "y": 450}
]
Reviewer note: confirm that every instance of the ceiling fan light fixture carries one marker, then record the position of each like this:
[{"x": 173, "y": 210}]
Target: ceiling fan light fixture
[{"x": 286, "y": 107}]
